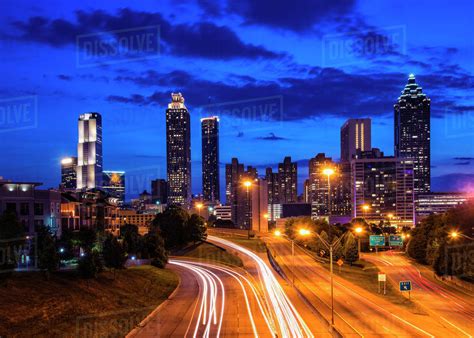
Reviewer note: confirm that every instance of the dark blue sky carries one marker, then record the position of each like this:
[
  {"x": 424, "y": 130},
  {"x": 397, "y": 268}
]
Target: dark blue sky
[{"x": 302, "y": 67}]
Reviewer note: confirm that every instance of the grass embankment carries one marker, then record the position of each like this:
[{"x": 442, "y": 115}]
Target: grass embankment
[
  {"x": 67, "y": 306},
  {"x": 211, "y": 253},
  {"x": 365, "y": 275}
]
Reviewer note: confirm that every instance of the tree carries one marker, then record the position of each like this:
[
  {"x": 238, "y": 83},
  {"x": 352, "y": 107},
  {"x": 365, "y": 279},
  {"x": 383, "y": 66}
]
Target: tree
[
  {"x": 351, "y": 253},
  {"x": 89, "y": 265},
  {"x": 197, "y": 228},
  {"x": 48, "y": 257},
  {"x": 318, "y": 246},
  {"x": 114, "y": 253},
  {"x": 131, "y": 237},
  {"x": 172, "y": 224},
  {"x": 12, "y": 241},
  {"x": 154, "y": 248},
  {"x": 87, "y": 239}
]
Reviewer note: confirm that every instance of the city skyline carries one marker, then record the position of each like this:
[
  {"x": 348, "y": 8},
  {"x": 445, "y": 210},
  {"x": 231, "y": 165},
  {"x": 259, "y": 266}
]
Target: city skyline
[{"x": 312, "y": 91}]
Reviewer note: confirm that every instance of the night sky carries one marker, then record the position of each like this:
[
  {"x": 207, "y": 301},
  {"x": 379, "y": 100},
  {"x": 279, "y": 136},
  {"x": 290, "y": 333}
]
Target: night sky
[{"x": 301, "y": 67}]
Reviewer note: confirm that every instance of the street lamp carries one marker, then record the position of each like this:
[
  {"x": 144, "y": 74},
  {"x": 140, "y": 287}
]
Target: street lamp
[
  {"x": 248, "y": 185},
  {"x": 199, "y": 207},
  {"x": 455, "y": 234},
  {"x": 358, "y": 231},
  {"x": 365, "y": 208},
  {"x": 302, "y": 232},
  {"x": 331, "y": 247}
]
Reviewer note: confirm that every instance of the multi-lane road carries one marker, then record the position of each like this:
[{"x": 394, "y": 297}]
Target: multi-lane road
[
  {"x": 215, "y": 300},
  {"x": 450, "y": 305},
  {"x": 357, "y": 311}
]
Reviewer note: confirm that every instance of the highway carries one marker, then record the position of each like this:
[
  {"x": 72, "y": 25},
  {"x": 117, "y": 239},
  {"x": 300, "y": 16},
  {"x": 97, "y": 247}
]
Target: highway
[
  {"x": 357, "y": 311},
  {"x": 450, "y": 305},
  {"x": 211, "y": 301}
]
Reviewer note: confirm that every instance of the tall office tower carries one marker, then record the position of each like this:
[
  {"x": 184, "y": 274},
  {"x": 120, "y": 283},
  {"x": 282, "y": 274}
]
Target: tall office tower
[
  {"x": 89, "y": 151},
  {"x": 287, "y": 175},
  {"x": 412, "y": 132},
  {"x": 178, "y": 151},
  {"x": 355, "y": 135},
  {"x": 274, "y": 205},
  {"x": 259, "y": 205},
  {"x": 385, "y": 185},
  {"x": 210, "y": 158},
  {"x": 114, "y": 183},
  {"x": 159, "y": 191},
  {"x": 68, "y": 173},
  {"x": 237, "y": 194},
  {"x": 318, "y": 185}
]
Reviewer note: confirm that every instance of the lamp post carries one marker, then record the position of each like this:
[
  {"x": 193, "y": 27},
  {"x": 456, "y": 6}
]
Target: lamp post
[
  {"x": 365, "y": 208},
  {"x": 199, "y": 207},
  {"x": 302, "y": 232},
  {"x": 358, "y": 231},
  {"x": 247, "y": 185},
  {"x": 455, "y": 234}
]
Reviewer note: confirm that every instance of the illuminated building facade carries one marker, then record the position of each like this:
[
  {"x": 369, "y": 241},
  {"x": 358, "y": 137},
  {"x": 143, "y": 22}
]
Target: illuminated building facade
[
  {"x": 288, "y": 179},
  {"x": 274, "y": 205},
  {"x": 355, "y": 135},
  {"x": 412, "y": 132},
  {"x": 69, "y": 173},
  {"x": 89, "y": 151},
  {"x": 438, "y": 202},
  {"x": 210, "y": 158},
  {"x": 178, "y": 151},
  {"x": 385, "y": 186},
  {"x": 114, "y": 184}
]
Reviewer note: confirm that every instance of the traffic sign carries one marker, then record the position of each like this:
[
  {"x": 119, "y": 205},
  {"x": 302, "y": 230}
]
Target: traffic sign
[
  {"x": 382, "y": 277},
  {"x": 395, "y": 240},
  {"x": 377, "y": 240},
  {"x": 405, "y": 286}
]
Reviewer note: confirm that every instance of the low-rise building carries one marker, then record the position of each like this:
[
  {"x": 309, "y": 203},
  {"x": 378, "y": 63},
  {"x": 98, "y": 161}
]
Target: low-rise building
[{"x": 141, "y": 220}]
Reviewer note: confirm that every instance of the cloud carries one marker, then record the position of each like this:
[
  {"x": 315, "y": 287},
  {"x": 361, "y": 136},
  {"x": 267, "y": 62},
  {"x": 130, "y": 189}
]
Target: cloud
[
  {"x": 202, "y": 40},
  {"x": 463, "y": 158},
  {"x": 321, "y": 92},
  {"x": 64, "y": 77},
  {"x": 463, "y": 163},
  {"x": 271, "y": 137},
  {"x": 296, "y": 15},
  {"x": 455, "y": 182}
]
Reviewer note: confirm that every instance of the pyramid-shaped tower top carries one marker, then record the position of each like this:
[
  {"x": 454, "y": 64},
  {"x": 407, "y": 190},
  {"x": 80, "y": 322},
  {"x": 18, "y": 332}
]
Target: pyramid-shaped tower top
[{"x": 412, "y": 89}]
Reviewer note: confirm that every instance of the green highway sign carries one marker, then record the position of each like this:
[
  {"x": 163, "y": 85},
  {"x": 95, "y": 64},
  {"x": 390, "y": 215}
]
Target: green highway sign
[
  {"x": 405, "y": 286},
  {"x": 395, "y": 240},
  {"x": 377, "y": 240}
]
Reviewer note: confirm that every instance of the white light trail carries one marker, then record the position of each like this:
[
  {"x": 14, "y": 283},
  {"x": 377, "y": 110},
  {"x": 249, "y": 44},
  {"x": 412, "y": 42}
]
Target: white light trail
[{"x": 289, "y": 320}]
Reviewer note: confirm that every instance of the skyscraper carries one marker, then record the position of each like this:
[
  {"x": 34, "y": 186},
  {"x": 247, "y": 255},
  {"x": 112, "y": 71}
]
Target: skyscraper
[
  {"x": 210, "y": 158},
  {"x": 274, "y": 205},
  {"x": 238, "y": 196},
  {"x": 412, "y": 132},
  {"x": 114, "y": 183},
  {"x": 159, "y": 191},
  {"x": 178, "y": 151},
  {"x": 355, "y": 135},
  {"x": 89, "y": 151},
  {"x": 318, "y": 184},
  {"x": 287, "y": 175},
  {"x": 68, "y": 173},
  {"x": 385, "y": 185}
]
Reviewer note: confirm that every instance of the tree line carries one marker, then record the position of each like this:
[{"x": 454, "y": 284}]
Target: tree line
[{"x": 96, "y": 249}]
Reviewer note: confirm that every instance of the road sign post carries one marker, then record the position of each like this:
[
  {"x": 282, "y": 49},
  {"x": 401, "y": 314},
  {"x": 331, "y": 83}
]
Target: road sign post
[
  {"x": 405, "y": 286},
  {"x": 382, "y": 278},
  {"x": 395, "y": 240},
  {"x": 340, "y": 262}
]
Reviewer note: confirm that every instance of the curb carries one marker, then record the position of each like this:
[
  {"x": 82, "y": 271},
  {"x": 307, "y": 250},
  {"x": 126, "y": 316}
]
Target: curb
[{"x": 148, "y": 318}]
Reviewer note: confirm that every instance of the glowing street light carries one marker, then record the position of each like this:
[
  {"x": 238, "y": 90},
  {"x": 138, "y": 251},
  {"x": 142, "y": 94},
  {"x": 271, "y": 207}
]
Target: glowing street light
[
  {"x": 304, "y": 232},
  {"x": 455, "y": 234},
  {"x": 365, "y": 208},
  {"x": 358, "y": 231},
  {"x": 277, "y": 233},
  {"x": 199, "y": 206}
]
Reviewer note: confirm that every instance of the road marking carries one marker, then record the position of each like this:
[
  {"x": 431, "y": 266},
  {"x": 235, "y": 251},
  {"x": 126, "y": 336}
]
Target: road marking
[
  {"x": 414, "y": 326},
  {"x": 447, "y": 321}
]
